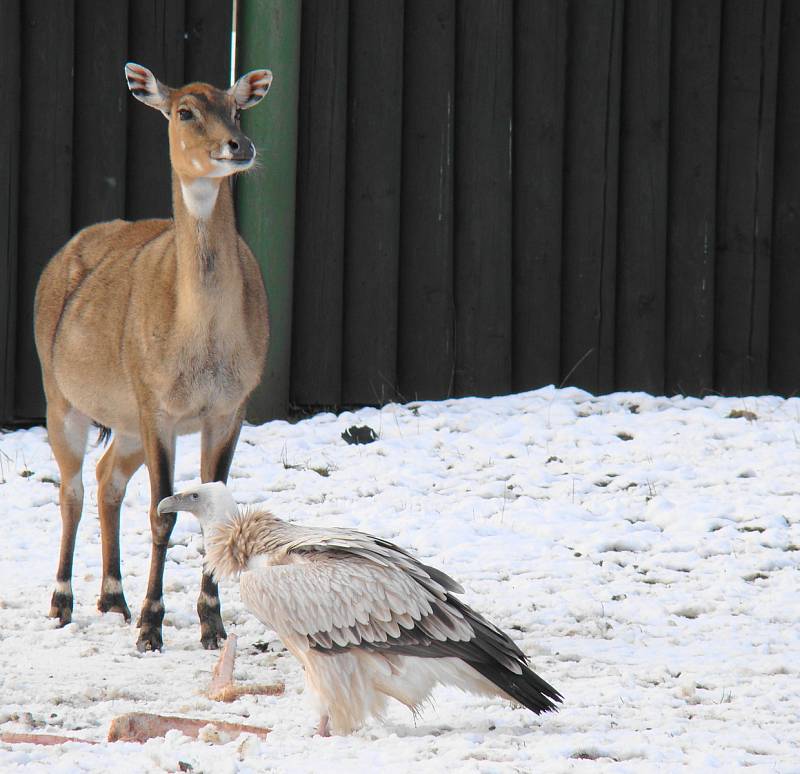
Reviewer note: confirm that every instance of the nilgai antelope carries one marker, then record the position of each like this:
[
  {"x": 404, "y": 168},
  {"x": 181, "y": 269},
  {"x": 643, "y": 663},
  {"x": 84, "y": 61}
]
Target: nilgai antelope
[
  {"x": 365, "y": 619},
  {"x": 153, "y": 329}
]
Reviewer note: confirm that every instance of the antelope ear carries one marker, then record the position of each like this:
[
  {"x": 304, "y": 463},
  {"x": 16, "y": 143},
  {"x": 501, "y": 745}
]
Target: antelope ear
[
  {"x": 251, "y": 88},
  {"x": 147, "y": 88}
]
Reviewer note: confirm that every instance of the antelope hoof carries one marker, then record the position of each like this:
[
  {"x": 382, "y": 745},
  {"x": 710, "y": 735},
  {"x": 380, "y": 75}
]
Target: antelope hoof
[
  {"x": 114, "y": 603},
  {"x": 61, "y": 607},
  {"x": 149, "y": 624},
  {"x": 212, "y": 633},
  {"x": 149, "y": 639}
]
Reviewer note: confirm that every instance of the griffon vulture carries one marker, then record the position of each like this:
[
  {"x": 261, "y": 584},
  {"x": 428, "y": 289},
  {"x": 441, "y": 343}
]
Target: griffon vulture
[{"x": 365, "y": 619}]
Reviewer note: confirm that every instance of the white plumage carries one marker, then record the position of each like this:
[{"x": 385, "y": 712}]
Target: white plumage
[{"x": 366, "y": 619}]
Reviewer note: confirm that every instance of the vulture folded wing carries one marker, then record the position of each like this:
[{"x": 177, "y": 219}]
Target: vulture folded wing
[
  {"x": 333, "y": 602},
  {"x": 374, "y": 549},
  {"x": 338, "y": 603}
]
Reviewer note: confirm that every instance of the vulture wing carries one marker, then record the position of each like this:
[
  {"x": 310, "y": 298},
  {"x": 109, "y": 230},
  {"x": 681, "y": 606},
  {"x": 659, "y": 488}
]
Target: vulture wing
[
  {"x": 354, "y": 591},
  {"x": 376, "y": 550}
]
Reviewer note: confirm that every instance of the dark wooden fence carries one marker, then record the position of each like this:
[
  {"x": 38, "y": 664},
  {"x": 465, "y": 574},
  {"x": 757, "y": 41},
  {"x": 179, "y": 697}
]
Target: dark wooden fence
[
  {"x": 497, "y": 195},
  {"x": 491, "y": 195}
]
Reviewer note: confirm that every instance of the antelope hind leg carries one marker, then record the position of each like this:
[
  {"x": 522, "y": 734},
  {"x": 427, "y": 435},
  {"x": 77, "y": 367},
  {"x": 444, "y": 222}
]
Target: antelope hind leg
[
  {"x": 219, "y": 438},
  {"x": 122, "y": 459},
  {"x": 67, "y": 430}
]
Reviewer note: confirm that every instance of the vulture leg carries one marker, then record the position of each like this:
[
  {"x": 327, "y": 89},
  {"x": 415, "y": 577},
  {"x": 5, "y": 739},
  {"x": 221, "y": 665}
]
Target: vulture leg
[{"x": 323, "y": 729}]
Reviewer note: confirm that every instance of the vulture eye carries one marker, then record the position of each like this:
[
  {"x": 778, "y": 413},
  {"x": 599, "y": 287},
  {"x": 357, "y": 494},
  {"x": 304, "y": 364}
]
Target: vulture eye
[
  {"x": 185, "y": 115},
  {"x": 195, "y": 496}
]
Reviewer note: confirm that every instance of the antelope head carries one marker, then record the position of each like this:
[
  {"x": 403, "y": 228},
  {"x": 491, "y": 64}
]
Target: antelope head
[{"x": 205, "y": 140}]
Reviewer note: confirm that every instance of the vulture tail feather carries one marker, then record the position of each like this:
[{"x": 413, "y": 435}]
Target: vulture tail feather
[{"x": 528, "y": 688}]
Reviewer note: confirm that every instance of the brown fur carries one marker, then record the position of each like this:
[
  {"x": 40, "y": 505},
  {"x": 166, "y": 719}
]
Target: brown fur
[{"x": 153, "y": 328}]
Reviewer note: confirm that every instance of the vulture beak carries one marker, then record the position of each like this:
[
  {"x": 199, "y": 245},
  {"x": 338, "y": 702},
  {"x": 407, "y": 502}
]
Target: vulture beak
[{"x": 171, "y": 504}]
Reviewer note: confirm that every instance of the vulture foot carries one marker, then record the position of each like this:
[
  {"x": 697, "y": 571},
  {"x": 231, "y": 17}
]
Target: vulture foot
[{"x": 323, "y": 729}]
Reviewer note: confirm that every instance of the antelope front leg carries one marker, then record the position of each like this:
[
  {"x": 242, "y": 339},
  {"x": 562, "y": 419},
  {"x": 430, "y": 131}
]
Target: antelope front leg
[
  {"x": 218, "y": 444},
  {"x": 159, "y": 450}
]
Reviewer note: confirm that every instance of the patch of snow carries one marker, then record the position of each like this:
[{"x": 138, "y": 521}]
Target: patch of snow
[{"x": 644, "y": 551}]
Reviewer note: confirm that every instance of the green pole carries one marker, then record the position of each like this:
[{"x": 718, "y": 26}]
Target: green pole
[{"x": 269, "y": 37}]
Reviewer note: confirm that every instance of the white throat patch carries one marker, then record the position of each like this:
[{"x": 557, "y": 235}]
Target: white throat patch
[{"x": 200, "y": 196}]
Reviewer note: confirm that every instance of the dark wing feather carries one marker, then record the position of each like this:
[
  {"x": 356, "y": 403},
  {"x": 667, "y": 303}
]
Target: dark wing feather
[{"x": 490, "y": 652}]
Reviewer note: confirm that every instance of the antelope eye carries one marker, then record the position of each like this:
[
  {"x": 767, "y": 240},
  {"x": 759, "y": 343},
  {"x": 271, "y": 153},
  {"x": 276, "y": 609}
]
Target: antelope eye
[
  {"x": 195, "y": 496},
  {"x": 185, "y": 115}
]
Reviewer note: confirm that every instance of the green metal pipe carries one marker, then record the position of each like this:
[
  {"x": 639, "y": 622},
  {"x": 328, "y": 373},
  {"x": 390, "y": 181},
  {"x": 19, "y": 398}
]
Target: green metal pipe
[{"x": 268, "y": 35}]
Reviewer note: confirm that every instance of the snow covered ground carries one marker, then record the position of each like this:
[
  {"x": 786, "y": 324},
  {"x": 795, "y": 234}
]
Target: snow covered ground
[{"x": 643, "y": 551}]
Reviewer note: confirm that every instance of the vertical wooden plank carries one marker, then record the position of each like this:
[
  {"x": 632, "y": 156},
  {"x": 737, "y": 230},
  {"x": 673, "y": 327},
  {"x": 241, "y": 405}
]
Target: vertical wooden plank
[
  {"x": 101, "y": 102},
  {"x": 319, "y": 233},
  {"x": 207, "y": 46},
  {"x": 45, "y": 176},
  {"x": 590, "y": 193},
  {"x": 748, "y": 85},
  {"x": 372, "y": 231},
  {"x": 642, "y": 229},
  {"x": 540, "y": 40},
  {"x": 426, "y": 356},
  {"x": 694, "y": 86},
  {"x": 484, "y": 87},
  {"x": 155, "y": 40},
  {"x": 784, "y": 336},
  {"x": 9, "y": 182},
  {"x": 269, "y": 36}
]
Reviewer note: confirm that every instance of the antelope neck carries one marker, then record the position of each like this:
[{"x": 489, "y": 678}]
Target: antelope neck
[
  {"x": 200, "y": 196},
  {"x": 205, "y": 233}
]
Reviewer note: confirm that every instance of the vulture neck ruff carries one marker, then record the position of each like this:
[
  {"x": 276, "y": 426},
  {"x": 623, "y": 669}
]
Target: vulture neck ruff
[{"x": 231, "y": 542}]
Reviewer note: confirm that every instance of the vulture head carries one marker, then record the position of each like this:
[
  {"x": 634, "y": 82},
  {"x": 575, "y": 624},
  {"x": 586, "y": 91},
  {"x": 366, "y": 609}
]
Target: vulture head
[{"x": 210, "y": 503}]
